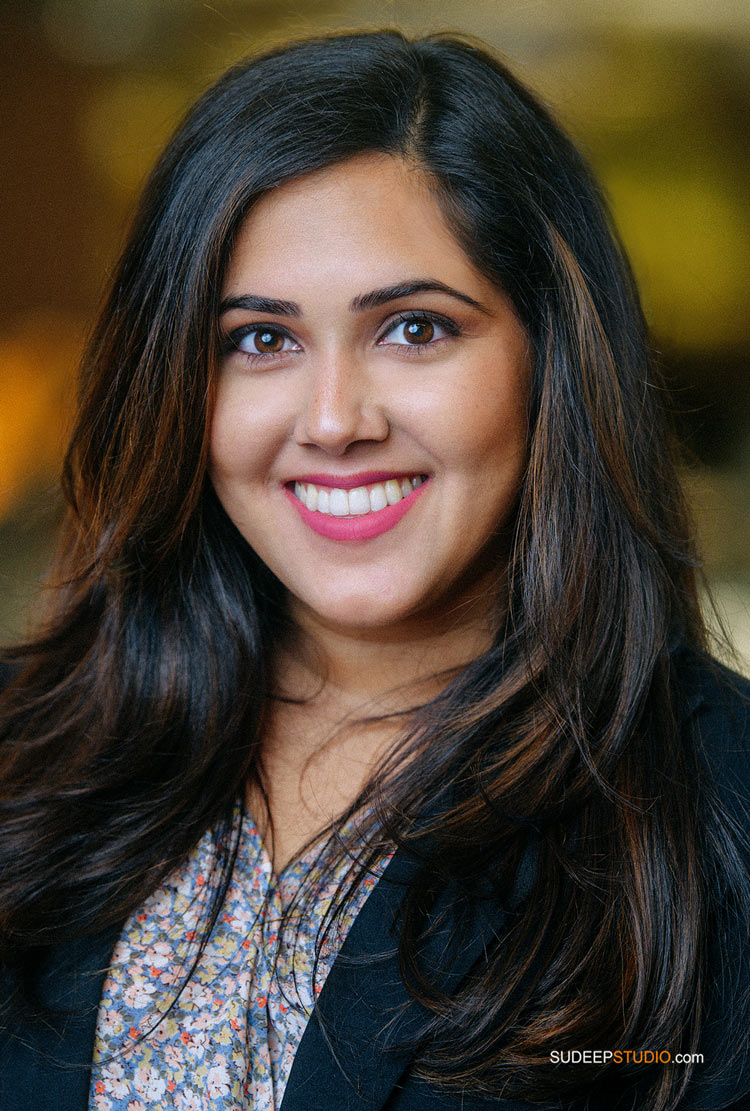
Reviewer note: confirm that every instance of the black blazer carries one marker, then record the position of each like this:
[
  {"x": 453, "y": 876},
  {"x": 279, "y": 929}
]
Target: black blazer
[{"x": 348, "y": 1059}]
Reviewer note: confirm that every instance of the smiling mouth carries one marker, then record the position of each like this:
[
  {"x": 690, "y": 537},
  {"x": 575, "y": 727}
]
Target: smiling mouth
[{"x": 362, "y": 500}]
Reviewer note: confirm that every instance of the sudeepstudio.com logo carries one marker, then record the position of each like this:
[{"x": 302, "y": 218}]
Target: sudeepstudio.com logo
[{"x": 623, "y": 1057}]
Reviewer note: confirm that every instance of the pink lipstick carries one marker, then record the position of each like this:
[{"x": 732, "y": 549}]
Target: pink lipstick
[{"x": 350, "y": 528}]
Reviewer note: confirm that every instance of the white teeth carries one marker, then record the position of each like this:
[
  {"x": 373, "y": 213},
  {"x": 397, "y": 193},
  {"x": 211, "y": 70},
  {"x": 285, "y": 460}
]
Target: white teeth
[
  {"x": 378, "y": 500},
  {"x": 393, "y": 491},
  {"x": 359, "y": 501},
  {"x": 355, "y": 503},
  {"x": 339, "y": 503}
]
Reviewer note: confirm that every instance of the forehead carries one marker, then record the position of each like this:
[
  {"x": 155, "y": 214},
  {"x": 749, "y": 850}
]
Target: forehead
[{"x": 367, "y": 221}]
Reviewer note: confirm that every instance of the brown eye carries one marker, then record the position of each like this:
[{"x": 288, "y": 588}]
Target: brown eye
[
  {"x": 261, "y": 340},
  {"x": 267, "y": 342},
  {"x": 419, "y": 331}
]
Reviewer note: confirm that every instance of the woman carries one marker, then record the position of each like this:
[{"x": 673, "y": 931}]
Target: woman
[{"x": 374, "y": 673}]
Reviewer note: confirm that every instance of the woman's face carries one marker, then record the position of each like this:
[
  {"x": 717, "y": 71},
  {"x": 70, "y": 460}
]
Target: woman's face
[{"x": 369, "y": 435}]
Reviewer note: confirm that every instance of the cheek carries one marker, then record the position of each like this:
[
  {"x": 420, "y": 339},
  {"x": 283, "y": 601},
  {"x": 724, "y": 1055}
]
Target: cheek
[
  {"x": 245, "y": 434},
  {"x": 482, "y": 424}
]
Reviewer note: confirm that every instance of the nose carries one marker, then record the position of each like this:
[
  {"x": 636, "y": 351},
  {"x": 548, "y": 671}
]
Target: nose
[{"x": 340, "y": 407}]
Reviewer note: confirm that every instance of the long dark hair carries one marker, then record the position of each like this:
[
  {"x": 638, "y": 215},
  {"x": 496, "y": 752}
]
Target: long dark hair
[{"x": 133, "y": 721}]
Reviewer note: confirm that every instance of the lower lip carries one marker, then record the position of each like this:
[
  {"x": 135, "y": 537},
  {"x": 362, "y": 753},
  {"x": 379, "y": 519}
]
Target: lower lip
[{"x": 365, "y": 527}]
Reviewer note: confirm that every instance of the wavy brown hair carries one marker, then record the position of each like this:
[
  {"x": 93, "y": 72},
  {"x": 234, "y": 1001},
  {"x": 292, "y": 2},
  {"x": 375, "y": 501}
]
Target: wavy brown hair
[{"x": 133, "y": 720}]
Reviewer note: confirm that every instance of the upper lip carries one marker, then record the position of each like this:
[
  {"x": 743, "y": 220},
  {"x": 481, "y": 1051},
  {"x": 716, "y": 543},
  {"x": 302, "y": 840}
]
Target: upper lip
[{"x": 350, "y": 481}]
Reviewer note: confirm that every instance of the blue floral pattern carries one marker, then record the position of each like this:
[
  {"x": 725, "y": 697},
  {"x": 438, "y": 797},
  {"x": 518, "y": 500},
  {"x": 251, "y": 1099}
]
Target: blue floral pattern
[{"x": 229, "y": 1040}]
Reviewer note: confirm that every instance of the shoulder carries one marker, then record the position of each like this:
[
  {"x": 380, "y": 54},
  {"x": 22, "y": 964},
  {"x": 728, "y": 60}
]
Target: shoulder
[
  {"x": 714, "y": 710},
  {"x": 46, "y": 1037},
  {"x": 706, "y": 688}
]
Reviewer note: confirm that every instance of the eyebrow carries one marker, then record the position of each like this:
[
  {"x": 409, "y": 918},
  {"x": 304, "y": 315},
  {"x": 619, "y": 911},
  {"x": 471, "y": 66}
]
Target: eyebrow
[
  {"x": 372, "y": 300},
  {"x": 252, "y": 303},
  {"x": 380, "y": 297}
]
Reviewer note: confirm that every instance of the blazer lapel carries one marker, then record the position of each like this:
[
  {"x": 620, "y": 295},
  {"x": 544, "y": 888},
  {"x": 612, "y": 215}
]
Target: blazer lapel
[
  {"x": 47, "y": 1065},
  {"x": 350, "y": 1054}
]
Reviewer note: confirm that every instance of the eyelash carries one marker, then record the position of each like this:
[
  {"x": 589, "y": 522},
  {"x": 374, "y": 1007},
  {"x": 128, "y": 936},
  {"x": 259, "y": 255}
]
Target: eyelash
[{"x": 235, "y": 338}]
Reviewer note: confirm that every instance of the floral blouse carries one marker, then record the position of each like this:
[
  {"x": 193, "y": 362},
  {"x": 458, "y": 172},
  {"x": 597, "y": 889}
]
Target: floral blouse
[{"x": 230, "y": 1039}]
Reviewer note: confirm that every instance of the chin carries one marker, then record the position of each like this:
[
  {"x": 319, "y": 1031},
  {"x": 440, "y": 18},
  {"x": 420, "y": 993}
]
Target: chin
[{"x": 362, "y": 612}]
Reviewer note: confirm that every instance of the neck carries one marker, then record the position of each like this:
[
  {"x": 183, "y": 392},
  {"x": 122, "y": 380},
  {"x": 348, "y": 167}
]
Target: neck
[
  {"x": 388, "y": 668},
  {"x": 328, "y": 723}
]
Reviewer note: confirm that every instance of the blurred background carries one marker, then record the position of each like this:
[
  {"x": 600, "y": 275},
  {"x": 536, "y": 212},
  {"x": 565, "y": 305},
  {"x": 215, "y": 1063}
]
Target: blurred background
[{"x": 656, "y": 92}]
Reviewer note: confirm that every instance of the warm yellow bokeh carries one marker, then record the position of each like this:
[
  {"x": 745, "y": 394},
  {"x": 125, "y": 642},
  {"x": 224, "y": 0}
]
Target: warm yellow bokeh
[
  {"x": 37, "y": 386},
  {"x": 126, "y": 124},
  {"x": 689, "y": 242}
]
